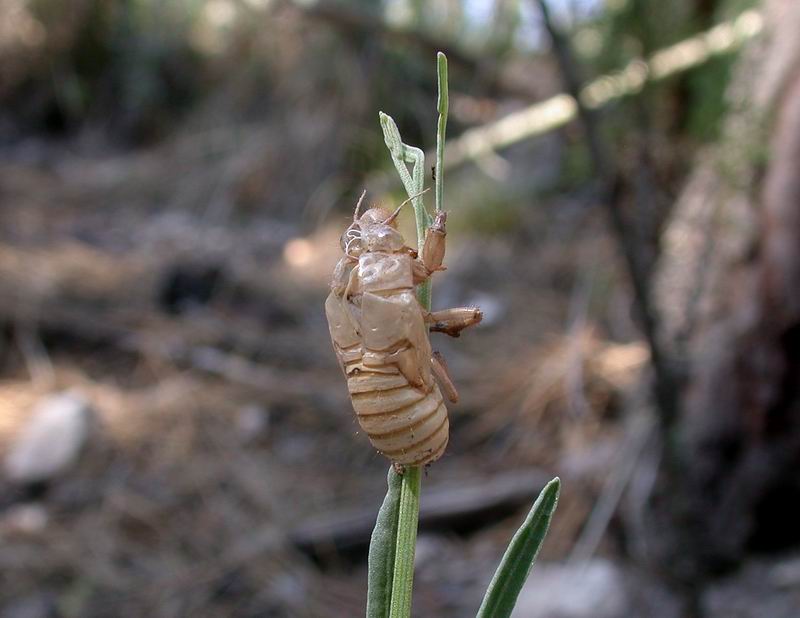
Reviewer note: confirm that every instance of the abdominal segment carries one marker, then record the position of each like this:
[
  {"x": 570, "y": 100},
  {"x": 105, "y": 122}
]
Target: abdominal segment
[
  {"x": 406, "y": 424},
  {"x": 383, "y": 348}
]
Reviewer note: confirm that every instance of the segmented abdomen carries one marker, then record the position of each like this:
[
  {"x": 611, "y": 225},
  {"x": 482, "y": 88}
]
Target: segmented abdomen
[{"x": 406, "y": 424}]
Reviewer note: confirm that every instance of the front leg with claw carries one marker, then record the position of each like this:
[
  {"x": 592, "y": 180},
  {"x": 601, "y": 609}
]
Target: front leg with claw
[{"x": 432, "y": 250}]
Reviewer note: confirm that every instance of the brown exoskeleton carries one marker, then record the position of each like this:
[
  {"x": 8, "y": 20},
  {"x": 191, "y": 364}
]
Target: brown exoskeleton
[{"x": 380, "y": 335}]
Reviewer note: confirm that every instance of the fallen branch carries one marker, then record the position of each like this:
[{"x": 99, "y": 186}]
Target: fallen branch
[
  {"x": 545, "y": 116},
  {"x": 457, "y": 508}
]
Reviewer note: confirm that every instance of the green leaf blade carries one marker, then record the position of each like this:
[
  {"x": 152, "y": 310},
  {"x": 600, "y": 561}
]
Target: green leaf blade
[
  {"x": 442, "y": 105},
  {"x": 414, "y": 183},
  {"x": 391, "y": 135},
  {"x": 382, "y": 551},
  {"x": 520, "y": 556},
  {"x": 441, "y": 70}
]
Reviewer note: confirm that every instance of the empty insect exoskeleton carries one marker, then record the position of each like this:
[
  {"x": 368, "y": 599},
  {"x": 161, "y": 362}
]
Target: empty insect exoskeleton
[{"x": 380, "y": 335}]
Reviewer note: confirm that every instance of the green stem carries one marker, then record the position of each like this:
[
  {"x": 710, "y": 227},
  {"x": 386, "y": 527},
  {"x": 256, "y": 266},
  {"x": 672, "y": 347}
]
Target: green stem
[
  {"x": 408, "y": 516},
  {"x": 442, "y": 105},
  {"x": 406, "y": 544},
  {"x": 413, "y": 181}
]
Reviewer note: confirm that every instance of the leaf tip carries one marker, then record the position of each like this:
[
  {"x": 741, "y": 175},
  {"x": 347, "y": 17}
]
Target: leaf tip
[{"x": 554, "y": 487}]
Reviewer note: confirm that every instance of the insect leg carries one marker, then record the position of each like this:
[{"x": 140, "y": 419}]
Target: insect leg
[
  {"x": 439, "y": 368},
  {"x": 351, "y": 288},
  {"x": 433, "y": 249},
  {"x": 341, "y": 275},
  {"x": 453, "y": 321},
  {"x": 404, "y": 357},
  {"x": 407, "y": 362}
]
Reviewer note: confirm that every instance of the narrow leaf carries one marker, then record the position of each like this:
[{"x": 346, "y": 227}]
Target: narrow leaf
[
  {"x": 382, "y": 551},
  {"x": 441, "y": 71},
  {"x": 518, "y": 560},
  {"x": 443, "y": 104},
  {"x": 391, "y": 135},
  {"x": 401, "y": 155}
]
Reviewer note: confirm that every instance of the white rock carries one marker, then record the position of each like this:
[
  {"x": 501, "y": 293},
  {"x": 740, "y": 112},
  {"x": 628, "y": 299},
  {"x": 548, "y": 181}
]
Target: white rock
[
  {"x": 592, "y": 589},
  {"x": 252, "y": 421},
  {"x": 51, "y": 440},
  {"x": 761, "y": 588},
  {"x": 26, "y": 519}
]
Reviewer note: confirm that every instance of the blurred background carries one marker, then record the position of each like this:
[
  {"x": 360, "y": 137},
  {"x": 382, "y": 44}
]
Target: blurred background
[{"x": 621, "y": 177}]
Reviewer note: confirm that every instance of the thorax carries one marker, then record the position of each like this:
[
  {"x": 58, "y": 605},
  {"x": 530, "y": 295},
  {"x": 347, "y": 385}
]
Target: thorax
[{"x": 383, "y": 272}]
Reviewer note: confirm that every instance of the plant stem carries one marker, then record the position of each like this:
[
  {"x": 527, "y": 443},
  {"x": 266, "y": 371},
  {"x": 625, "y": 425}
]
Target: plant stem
[
  {"x": 402, "y": 154},
  {"x": 408, "y": 515},
  {"x": 442, "y": 105},
  {"x": 406, "y": 544}
]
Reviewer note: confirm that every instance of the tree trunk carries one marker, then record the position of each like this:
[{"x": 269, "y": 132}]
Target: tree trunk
[{"x": 728, "y": 292}]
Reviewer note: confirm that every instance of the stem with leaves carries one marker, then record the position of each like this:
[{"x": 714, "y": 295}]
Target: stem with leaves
[
  {"x": 392, "y": 548},
  {"x": 408, "y": 502},
  {"x": 393, "y": 542}
]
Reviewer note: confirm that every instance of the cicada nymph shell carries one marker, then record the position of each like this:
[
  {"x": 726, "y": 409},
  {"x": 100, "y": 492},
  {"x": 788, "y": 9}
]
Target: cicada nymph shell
[{"x": 380, "y": 334}]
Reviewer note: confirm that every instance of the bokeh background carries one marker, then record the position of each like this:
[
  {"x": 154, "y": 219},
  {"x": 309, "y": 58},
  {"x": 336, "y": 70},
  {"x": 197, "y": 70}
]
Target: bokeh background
[{"x": 175, "y": 434}]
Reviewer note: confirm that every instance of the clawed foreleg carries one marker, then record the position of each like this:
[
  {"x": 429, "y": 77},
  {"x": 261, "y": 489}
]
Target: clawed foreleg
[
  {"x": 434, "y": 246},
  {"x": 432, "y": 250}
]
